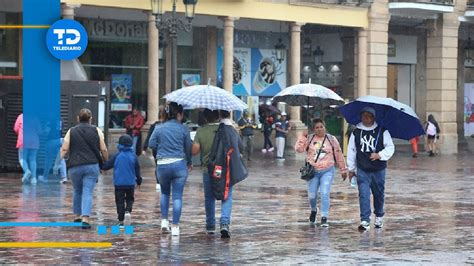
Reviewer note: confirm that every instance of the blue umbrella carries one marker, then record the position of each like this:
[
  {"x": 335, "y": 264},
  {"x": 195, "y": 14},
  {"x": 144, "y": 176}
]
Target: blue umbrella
[{"x": 398, "y": 118}]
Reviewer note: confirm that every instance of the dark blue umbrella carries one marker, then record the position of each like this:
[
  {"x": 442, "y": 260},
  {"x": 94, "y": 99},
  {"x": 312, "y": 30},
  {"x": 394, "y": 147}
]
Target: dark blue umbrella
[{"x": 398, "y": 118}]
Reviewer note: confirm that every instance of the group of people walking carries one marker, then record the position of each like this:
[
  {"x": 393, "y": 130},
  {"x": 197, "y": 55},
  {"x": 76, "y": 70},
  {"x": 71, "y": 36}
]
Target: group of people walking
[
  {"x": 370, "y": 147},
  {"x": 282, "y": 127},
  {"x": 173, "y": 149}
]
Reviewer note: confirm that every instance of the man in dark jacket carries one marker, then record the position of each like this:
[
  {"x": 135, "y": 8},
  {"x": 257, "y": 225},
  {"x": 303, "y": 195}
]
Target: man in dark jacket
[
  {"x": 126, "y": 174},
  {"x": 246, "y": 126}
]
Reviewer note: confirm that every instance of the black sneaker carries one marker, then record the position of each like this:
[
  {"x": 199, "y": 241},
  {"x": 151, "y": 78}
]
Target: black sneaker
[
  {"x": 120, "y": 224},
  {"x": 324, "y": 222},
  {"x": 210, "y": 229},
  {"x": 312, "y": 217},
  {"x": 78, "y": 220},
  {"x": 225, "y": 232},
  {"x": 86, "y": 225}
]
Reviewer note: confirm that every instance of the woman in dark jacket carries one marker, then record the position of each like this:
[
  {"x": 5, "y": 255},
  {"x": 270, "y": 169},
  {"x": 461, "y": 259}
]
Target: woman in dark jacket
[{"x": 86, "y": 148}]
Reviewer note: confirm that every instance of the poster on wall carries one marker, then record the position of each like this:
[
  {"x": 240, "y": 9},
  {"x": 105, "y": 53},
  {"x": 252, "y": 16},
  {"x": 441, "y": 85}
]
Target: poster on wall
[
  {"x": 268, "y": 75},
  {"x": 121, "y": 92},
  {"x": 241, "y": 70},
  {"x": 256, "y": 72},
  {"x": 190, "y": 80},
  {"x": 468, "y": 109}
]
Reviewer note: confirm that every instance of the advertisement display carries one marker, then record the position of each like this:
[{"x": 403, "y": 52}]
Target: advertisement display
[
  {"x": 190, "y": 80},
  {"x": 256, "y": 72},
  {"x": 121, "y": 92},
  {"x": 468, "y": 109}
]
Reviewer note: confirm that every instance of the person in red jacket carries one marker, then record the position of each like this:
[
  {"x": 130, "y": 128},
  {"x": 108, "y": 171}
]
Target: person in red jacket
[{"x": 134, "y": 123}]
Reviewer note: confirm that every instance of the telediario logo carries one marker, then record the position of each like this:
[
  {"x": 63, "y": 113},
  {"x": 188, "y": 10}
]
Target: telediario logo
[{"x": 66, "y": 39}]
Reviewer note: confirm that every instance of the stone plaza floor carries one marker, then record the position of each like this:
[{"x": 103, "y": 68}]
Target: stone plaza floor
[{"x": 429, "y": 219}]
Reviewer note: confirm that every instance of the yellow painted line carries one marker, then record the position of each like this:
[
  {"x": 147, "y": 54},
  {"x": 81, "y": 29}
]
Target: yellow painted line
[
  {"x": 24, "y": 26},
  {"x": 55, "y": 244}
]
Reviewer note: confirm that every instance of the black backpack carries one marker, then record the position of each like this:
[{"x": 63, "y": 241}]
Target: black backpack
[{"x": 225, "y": 167}]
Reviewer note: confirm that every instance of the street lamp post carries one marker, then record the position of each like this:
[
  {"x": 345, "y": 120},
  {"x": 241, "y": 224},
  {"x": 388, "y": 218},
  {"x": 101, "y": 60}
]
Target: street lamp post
[{"x": 172, "y": 25}]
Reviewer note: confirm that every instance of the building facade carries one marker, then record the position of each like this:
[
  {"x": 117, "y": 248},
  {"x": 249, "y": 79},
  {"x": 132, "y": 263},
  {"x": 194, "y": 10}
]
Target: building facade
[{"x": 416, "y": 51}]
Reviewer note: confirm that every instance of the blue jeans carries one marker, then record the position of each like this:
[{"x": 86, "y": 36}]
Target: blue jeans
[
  {"x": 210, "y": 204},
  {"x": 84, "y": 178},
  {"x": 321, "y": 181},
  {"x": 21, "y": 159},
  {"x": 51, "y": 152},
  {"x": 29, "y": 161},
  {"x": 135, "y": 142},
  {"x": 367, "y": 182},
  {"x": 172, "y": 178}
]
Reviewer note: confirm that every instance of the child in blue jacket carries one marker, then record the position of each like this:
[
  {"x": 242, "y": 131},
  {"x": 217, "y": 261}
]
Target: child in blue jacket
[{"x": 126, "y": 174}]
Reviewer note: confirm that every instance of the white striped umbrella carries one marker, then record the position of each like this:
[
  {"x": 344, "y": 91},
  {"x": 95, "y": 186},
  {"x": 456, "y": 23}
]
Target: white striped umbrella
[{"x": 206, "y": 96}]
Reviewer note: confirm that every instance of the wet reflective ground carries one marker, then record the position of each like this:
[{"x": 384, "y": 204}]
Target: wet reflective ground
[{"x": 429, "y": 219}]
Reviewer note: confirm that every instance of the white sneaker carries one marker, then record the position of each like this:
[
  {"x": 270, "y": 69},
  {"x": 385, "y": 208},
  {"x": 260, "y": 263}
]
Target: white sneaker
[
  {"x": 165, "y": 226},
  {"x": 26, "y": 177},
  {"x": 271, "y": 149},
  {"x": 364, "y": 226},
  {"x": 264, "y": 150},
  {"x": 128, "y": 219},
  {"x": 63, "y": 181},
  {"x": 175, "y": 230},
  {"x": 41, "y": 179},
  {"x": 158, "y": 187},
  {"x": 378, "y": 222},
  {"x": 33, "y": 181}
]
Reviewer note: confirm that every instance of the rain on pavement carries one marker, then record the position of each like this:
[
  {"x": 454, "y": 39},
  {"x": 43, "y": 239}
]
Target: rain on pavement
[{"x": 429, "y": 219}]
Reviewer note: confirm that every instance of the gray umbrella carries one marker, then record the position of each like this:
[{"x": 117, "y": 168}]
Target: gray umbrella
[{"x": 307, "y": 94}]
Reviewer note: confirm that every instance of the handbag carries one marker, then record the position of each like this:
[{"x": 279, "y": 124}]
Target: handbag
[{"x": 307, "y": 171}]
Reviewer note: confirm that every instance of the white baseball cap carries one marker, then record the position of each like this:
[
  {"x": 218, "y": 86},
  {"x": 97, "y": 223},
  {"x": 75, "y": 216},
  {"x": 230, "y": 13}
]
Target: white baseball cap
[{"x": 283, "y": 113}]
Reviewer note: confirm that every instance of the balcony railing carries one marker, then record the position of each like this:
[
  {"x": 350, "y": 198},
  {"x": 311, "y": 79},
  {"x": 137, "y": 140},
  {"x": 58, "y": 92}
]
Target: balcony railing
[
  {"x": 437, "y": 2},
  {"x": 333, "y": 2}
]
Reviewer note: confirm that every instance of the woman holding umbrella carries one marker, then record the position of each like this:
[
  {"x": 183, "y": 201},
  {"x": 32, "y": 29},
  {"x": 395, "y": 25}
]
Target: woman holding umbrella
[{"x": 323, "y": 153}]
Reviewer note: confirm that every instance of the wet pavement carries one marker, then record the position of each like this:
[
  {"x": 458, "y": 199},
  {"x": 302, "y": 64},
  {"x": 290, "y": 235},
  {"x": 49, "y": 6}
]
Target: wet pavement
[{"x": 429, "y": 219}]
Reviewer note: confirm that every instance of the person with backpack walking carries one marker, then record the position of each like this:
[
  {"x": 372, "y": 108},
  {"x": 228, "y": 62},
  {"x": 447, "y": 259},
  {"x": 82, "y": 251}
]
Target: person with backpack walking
[
  {"x": 323, "y": 153},
  {"x": 126, "y": 175},
  {"x": 432, "y": 134},
  {"x": 172, "y": 142},
  {"x": 209, "y": 141}
]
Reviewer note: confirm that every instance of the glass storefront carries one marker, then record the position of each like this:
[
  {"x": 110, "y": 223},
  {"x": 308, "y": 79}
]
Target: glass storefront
[{"x": 9, "y": 45}]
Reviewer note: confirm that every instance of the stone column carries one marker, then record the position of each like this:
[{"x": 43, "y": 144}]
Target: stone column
[
  {"x": 228, "y": 52},
  {"x": 441, "y": 76},
  {"x": 67, "y": 10},
  {"x": 295, "y": 78},
  {"x": 153, "y": 72},
  {"x": 295, "y": 66},
  {"x": 362, "y": 63},
  {"x": 211, "y": 67},
  {"x": 377, "y": 48}
]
